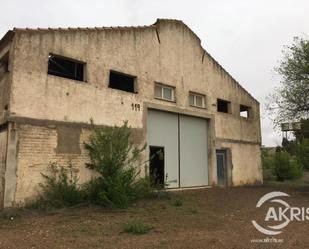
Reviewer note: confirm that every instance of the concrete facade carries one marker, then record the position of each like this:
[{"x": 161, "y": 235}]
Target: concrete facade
[{"x": 47, "y": 117}]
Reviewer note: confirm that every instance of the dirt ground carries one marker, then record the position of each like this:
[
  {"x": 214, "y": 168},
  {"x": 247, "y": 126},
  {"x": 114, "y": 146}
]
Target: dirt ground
[{"x": 208, "y": 218}]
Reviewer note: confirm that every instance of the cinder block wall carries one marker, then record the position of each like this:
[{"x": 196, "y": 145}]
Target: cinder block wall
[{"x": 38, "y": 146}]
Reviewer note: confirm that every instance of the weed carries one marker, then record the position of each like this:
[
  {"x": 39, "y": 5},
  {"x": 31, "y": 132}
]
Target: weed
[
  {"x": 136, "y": 227},
  {"x": 178, "y": 202},
  {"x": 193, "y": 211},
  {"x": 60, "y": 188}
]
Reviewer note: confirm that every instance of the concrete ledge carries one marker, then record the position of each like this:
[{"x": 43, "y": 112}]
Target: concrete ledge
[
  {"x": 187, "y": 188},
  {"x": 239, "y": 141}
]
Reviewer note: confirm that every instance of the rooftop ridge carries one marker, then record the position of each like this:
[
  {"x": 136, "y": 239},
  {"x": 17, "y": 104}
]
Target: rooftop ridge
[{"x": 15, "y": 29}]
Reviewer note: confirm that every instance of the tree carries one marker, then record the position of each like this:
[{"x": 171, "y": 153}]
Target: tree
[
  {"x": 290, "y": 101},
  {"x": 116, "y": 160},
  {"x": 303, "y": 133}
]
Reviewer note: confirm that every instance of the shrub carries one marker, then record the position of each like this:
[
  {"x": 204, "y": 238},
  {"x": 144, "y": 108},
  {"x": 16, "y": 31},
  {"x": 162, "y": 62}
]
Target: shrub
[
  {"x": 178, "y": 203},
  {"x": 136, "y": 227},
  {"x": 286, "y": 167},
  {"x": 303, "y": 153},
  {"x": 60, "y": 187},
  {"x": 115, "y": 158},
  {"x": 268, "y": 163}
]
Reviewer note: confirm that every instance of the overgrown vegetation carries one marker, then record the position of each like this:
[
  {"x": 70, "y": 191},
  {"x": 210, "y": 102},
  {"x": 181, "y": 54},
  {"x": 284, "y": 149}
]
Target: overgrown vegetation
[
  {"x": 178, "y": 202},
  {"x": 136, "y": 227},
  {"x": 286, "y": 166},
  {"x": 303, "y": 153},
  {"x": 289, "y": 161},
  {"x": 290, "y": 102},
  {"x": 280, "y": 165},
  {"x": 60, "y": 188},
  {"x": 115, "y": 159}
]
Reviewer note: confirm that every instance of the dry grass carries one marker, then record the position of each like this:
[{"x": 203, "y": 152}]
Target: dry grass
[{"x": 207, "y": 218}]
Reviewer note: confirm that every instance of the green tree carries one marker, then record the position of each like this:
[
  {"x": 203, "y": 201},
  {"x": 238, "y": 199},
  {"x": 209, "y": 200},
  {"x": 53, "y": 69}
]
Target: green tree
[
  {"x": 286, "y": 167},
  {"x": 303, "y": 133},
  {"x": 303, "y": 153},
  {"x": 290, "y": 101}
]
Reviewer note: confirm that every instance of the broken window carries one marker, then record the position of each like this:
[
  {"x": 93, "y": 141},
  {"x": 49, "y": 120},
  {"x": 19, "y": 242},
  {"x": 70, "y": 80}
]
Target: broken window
[
  {"x": 223, "y": 106},
  {"x": 196, "y": 99},
  {"x": 164, "y": 92},
  {"x": 66, "y": 68},
  {"x": 244, "y": 111},
  {"x": 122, "y": 81}
]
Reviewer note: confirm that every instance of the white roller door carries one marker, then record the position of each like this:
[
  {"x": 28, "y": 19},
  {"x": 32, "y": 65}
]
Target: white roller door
[{"x": 193, "y": 151}]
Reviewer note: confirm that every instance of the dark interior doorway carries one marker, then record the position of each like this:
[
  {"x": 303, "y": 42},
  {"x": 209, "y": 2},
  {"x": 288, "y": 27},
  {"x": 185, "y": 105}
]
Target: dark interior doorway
[
  {"x": 221, "y": 167},
  {"x": 156, "y": 170}
]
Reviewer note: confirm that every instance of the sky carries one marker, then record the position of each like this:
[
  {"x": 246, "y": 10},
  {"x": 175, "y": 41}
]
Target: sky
[{"x": 245, "y": 36}]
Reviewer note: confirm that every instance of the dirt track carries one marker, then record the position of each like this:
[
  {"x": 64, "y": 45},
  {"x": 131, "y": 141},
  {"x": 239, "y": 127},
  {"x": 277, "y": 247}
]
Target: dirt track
[{"x": 208, "y": 218}]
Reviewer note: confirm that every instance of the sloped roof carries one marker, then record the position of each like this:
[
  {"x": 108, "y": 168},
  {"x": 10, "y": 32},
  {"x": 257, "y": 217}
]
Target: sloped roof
[{"x": 10, "y": 34}]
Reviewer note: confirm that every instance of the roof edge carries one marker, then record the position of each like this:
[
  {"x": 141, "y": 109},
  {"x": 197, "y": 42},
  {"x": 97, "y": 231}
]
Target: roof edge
[
  {"x": 229, "y": 75},
  {"x": 6, "y": 38}
]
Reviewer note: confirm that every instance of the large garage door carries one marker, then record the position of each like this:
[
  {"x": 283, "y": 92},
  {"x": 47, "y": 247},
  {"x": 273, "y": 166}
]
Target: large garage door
[
  {"x": 193, "y": 151},
  {"x": 184, "y": 141},
  {"x": 163, "y": 132}
]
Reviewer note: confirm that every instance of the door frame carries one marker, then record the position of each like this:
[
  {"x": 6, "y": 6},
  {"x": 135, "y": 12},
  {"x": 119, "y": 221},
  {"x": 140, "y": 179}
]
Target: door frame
[
  {"x": 164, "y": 175},
  {"x": 228, "y": 169}
]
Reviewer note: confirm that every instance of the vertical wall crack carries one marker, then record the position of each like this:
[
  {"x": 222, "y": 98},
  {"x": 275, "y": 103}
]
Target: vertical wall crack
[{"x": 158, "y": 36}]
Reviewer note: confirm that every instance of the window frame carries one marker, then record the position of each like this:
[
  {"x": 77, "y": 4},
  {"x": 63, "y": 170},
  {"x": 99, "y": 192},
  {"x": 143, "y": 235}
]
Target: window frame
[
  {"x": 229, "y": 106},
  {"x": 195, "y": 95},
  {"x": 123, "y": 74},
  {"x": 83, "y": 63},
  {"x": 164, "y": 86},
  {"x": 248, "y": 110}
]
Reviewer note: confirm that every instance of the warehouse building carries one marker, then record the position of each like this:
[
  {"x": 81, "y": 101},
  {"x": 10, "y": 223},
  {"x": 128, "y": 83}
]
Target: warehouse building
[{"x": 175, "y": 96}]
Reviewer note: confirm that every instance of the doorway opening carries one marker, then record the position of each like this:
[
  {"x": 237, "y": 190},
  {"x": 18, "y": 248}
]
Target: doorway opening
[
  {"x": 221, "y": 168},
  {"x": 156, "y": 169}
]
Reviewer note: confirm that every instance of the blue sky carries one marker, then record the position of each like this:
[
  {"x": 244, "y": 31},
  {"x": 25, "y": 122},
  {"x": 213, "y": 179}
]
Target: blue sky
[{"x": 245, "y": 36}]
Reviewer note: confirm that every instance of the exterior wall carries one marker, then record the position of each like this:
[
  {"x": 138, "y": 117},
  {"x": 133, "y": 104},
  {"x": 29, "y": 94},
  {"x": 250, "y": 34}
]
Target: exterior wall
[
  {"x": 167, "y": 52},
  {"x": 11, "y": 165},
  {"x": 4, "y": 87},
  {"x": 3, "y": 146},
  {"x": 39, "y": 145},
  {"x": 245, "y": 163},
  {"x": 37, "y": 148},
  {"x": 176, "y": 60}
]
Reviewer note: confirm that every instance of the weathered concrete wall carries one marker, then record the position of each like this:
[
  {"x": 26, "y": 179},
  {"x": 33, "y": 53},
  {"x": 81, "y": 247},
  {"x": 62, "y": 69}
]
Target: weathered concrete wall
[
  {"x": 167, "y": 52},
  {"x": 11, "y": 166},
  {"x": 176, "y": 60},
  {"x": 3, "y": 146},
  {"x": 246, "y": 162},
  {"x": 4, "y": 85}
]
